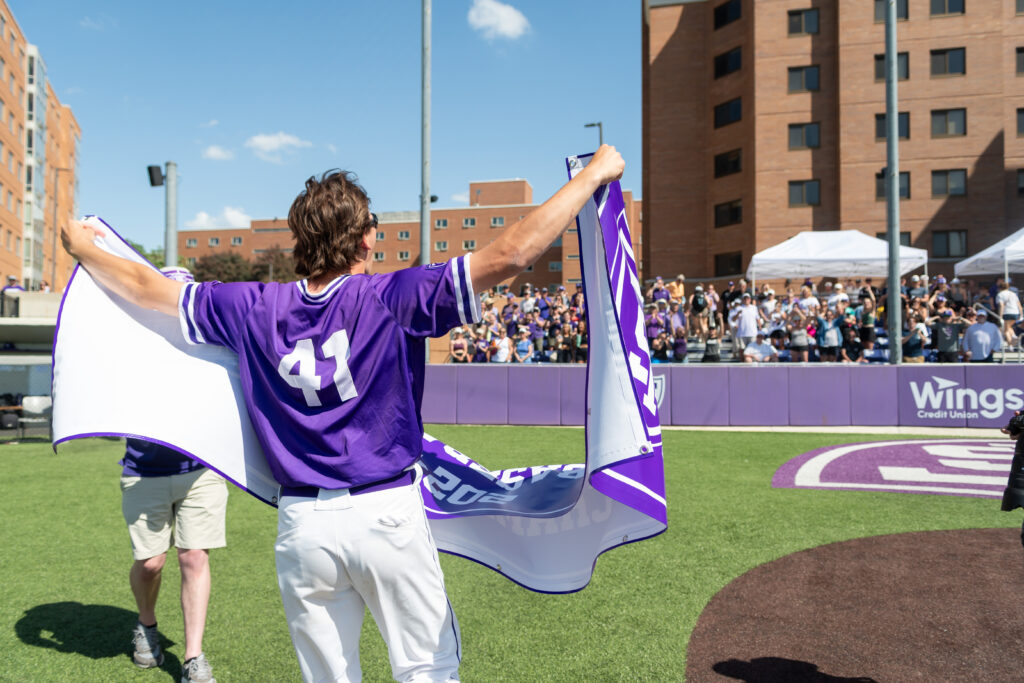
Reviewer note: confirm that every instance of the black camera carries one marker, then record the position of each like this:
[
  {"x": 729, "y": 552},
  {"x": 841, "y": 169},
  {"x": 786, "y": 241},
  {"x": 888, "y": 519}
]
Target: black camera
[{"x": 1016, "y": 425}]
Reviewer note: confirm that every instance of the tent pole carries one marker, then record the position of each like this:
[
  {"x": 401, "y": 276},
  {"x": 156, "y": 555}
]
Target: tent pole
[{"x": 1006, "y": 269}]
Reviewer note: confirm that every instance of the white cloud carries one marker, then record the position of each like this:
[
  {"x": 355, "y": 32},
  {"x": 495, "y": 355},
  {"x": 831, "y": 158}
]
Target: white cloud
[
  {"x": 462, "y": 198},
  {"x": 332, "y": 149},
  {"x": 97, "y": 24},
  {"x": 497, "y": 20},
  {"x": 271, "y": 146},
  {"x": 74, "y": 90},
  {"x": 218, "y": 153},
  {"x": 230, "y": 217},
  {"x": 209, "y": 124}
]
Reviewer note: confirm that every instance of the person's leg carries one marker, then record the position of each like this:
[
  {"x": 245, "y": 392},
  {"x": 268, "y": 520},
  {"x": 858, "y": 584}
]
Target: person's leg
[
  {"x": 324, "y": 612},
  {"x": 200, "y": 504},
  {"x": 144, "y": 578},
  {"x": 396, "y": 570},
  {"x": 195, "y": 597}
]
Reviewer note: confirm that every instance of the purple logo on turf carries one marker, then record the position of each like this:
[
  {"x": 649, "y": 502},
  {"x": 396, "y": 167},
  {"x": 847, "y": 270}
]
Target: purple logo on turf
[{"x": 957, "y": 467}]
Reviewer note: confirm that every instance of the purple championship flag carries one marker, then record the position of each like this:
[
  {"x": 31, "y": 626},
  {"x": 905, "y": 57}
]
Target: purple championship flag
[{"x": 542, "y": 527}]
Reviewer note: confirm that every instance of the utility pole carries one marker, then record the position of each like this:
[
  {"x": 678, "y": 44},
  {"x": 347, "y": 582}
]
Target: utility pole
[
  {"x": 56, "y": 227},
  {"x": 425, "y": 141},
  {"x": 170, "y": 181},
  {"x": 892, "y": 186},
  {"x": 600, "y": 131}
]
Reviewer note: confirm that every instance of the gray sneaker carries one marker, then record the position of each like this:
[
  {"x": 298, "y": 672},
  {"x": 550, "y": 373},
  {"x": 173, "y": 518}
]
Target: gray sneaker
[
  {"x": 146, "y": 642},
  {"x": 197, "y": 670}
]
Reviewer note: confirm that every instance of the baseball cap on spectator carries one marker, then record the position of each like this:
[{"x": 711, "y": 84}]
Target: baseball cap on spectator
[
  {"x": 947, "y": 312},
  {"x": 662, "y": 302},
  {"x": 915, "y": 278},
  {"x": 543, "y": 289},
  {"x": 680, "y": 277},
  {"x": 658, "y": 279},
  {"x": 561, "y": 288},
  {"x": 955, "y": 281},
  {"x": 510, "y": 295},
  {"x": 839, "y": 285},
  {"x": 940, "y": 298},
  {"x": 982, "y": 314},
  {"x": 940, "y": 279},
  {"x": 698, "y": 288},
  {"x": 746, "y": 295},
  {"x": 731, "y": 283}
]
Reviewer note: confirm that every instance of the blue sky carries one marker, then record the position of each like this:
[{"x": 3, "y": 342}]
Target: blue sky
[{"x": 250, "y": 98}]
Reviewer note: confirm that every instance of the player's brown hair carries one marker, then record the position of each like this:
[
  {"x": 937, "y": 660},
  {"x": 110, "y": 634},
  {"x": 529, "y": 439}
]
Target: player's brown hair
[{"x": 329, "y": 219}]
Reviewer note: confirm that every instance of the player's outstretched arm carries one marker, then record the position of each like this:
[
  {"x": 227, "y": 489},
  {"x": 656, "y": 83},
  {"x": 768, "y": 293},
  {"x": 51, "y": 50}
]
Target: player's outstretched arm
[
  {"x": 524, "y": 241},
  {"x": 132, "y": 281}
]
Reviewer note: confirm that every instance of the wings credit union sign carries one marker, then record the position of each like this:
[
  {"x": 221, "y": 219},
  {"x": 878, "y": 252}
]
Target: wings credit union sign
[{"x": 960, "y": 396}]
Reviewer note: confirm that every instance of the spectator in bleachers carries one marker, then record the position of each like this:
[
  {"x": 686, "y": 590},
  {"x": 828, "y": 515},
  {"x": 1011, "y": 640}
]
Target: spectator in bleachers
[
  {"x": 654, "y": 323},
  {"x": 799, "y": 339},
  {"x": 660, "y": 348},
  {"x": 676, "y": 318},
  {"x": 981, "y": 339},
  {"x": 715, "y": 307},
  {"x": 581, "y": 345},
  {"x": 945, "y": 332},
  {"x": 657, "y": 292},
  {"x": 564, "y": 342},
  {"x": 808, "y": 303},
  {"x": 1008, "y": 308},
  {"x": 458, "y": 346},
  {"x": 677, "y": 288},
  {"x": 480, "y": 345},
  {"x": 915, "y": 339},
  {"x": 758, "y": 350},
  {"x": 522, "y": 352},
  {"x": 544, "y": 304},
  {"x": 838, "y": 299},
  {"x": 538, "y": 331},
  {"x": 852, "y": 351},
  {"x": 746, "y": 320},
  {"x": 679, "y": 345},
  {"x": 529, "y": 304},
  {"x": 917, "y": 288},
  {"x": 712, "y": 345},
  {"x": 500, "y": 348},
  {"x": 867, "y": 319},
  {"x": 700, "y": 311},
  {"x": 829, "y": 338}
]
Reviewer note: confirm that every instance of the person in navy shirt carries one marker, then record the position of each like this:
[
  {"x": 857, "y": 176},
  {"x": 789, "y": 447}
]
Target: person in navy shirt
[{"x": 331, "y": 369}]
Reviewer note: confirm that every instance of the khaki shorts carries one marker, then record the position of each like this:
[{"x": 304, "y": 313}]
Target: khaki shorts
[
  {"x": 192, "y": 504},
  {"x": 914, "y": 359}
]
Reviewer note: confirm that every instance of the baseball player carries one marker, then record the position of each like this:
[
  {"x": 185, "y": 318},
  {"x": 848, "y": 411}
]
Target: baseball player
[
  {"x": 165, "y": 492},
  {"x": 332, "y": 372}
]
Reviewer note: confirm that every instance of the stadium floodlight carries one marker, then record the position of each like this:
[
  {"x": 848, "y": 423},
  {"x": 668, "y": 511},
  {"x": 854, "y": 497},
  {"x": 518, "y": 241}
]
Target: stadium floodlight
[
  {"x": 156, "y": 179},
  {"x": 600, "y": 131}
]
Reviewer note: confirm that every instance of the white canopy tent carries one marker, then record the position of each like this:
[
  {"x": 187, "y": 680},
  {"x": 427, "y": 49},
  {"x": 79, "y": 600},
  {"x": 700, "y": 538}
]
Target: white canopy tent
[
  {"x": 832, "y": 253},
  {"x": 1005, "y": 256}
]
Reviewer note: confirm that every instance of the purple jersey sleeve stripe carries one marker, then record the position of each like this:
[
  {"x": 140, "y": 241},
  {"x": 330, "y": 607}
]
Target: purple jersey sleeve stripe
[
  {"x": 185, "y": 305},
  {"x": 473, "y": 312},
  {"x": 460, "y": 291}
]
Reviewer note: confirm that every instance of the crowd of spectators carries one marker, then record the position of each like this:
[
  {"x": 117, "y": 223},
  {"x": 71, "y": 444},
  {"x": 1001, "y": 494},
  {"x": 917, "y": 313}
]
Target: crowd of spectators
[{"x": 825, "y": 321}]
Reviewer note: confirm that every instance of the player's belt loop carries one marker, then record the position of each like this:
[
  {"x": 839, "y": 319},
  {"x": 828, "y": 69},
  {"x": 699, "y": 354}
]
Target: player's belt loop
[{"x": 403, "y": 478}]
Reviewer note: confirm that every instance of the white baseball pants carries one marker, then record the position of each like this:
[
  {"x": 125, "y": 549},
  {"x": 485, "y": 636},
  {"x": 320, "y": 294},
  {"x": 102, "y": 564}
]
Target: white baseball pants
[{"x": 338, "y": 553}]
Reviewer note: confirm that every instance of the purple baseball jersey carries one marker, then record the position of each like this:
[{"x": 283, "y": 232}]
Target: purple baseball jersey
[{"x": 333, "y": 380}]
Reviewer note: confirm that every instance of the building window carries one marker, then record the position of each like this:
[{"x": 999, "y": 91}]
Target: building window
[
  {"x": 804, "y": 135},
  {"x": 403, "y": 256},
  {"x": 904, "y": 185},
  {"x": 236, "y": 241},
  {"x": 728, "y": 112},
  {"x": 497, "y": 221},
  {"x": 1020, "y": 61},
  {"x": 190, "y": 261},
  {"x": 803, "y": 21},
  {"x": 949, "y": 243},
  {"x": 728, "y": 264},
  {"x": 573, "y": 257},
  {"x": 554, "y": 266},
  {"x": 469, "y": 245},
  {"x": 214, "y": 241},
  {"x": 904, "y": 237},
  {"x": 803, "y": 78},
  {"x": 728, "y": 163},
  {"x": 805, "y": 193},
  {"x": 1020, "y": 6},
  {"x": 901, "y": 10},
  {"x": 727, "y": 62},
  {"x": 729, "y": 213},
  {"x": 726, "y": 13},
  {"x": 380, "y": 235},
  {"x": 951, "y": 183},
  {"x": 441, "y": 223},
  {"x": 378, "y": 256},
  {"x": 940, "y": 7},
  {"x": 949, "y": 123},
  {"x": 951, "y": 62},
  {"x": 469, "y": 222},
  {"x": 441, "y": 246},
  {"x": 191, "y": 242},
  {"x": 902, "y": 123},
  {"x": 902, "y": 66},
  {"x": 1020, "y": 182},
  {"x": 1020, "y": 122},
  {"x": 403, "y": 235}
]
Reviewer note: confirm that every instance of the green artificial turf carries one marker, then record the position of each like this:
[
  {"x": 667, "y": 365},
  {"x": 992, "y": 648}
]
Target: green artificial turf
[{"x": 66, "y": 609}]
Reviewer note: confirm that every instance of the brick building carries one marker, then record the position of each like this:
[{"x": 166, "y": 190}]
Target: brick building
[
  {"x": 763, "y": 119},
  {"x": 494, "y": 205}
]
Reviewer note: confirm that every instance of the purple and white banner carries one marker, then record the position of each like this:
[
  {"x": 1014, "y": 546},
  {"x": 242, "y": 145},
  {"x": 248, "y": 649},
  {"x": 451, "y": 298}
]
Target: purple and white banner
[{"x": 120, "y": 370}]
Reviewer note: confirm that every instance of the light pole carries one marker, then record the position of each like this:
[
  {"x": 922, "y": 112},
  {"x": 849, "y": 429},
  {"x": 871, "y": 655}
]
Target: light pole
[
  {"x": 170, "y": 178},
  {"x": 600, "y": 131},
  {"x": 425, "y": 138},
  {"x": 53, "y": 255}
]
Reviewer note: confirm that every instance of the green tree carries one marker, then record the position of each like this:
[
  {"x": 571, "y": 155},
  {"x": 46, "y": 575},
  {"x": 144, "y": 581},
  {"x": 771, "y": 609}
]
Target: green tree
[
  {"x": 227, "y": 267},
  {"x": 274, "y": 265}
]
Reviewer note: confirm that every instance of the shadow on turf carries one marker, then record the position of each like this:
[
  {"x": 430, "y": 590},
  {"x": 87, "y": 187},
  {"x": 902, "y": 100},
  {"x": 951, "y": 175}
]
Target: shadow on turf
[
  {"x": 776, "y": 669},
  {"x": 95, "y": 631}
]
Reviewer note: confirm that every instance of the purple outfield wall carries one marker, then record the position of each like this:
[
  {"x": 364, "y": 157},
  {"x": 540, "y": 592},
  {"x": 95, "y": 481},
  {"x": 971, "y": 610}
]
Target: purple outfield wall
[{"x": 981, "y": 395}]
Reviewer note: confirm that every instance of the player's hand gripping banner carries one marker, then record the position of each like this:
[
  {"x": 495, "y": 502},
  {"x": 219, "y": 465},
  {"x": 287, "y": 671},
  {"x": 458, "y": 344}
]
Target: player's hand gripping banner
[{"x": 120, "y": 370}]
